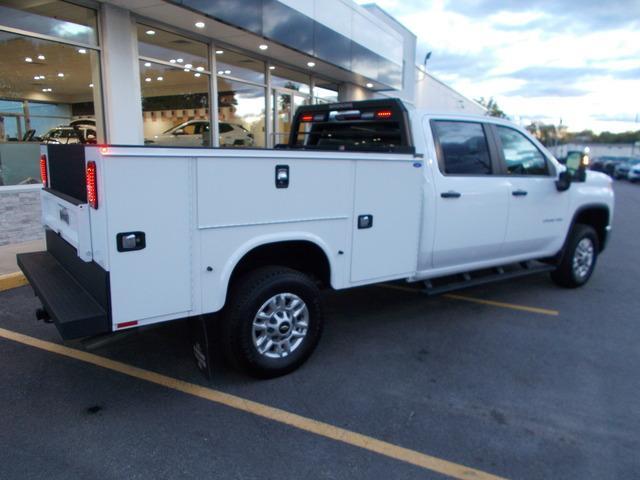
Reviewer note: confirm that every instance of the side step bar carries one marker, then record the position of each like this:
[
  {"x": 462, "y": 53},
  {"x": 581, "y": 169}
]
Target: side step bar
[{"x": 482, "y": 277}]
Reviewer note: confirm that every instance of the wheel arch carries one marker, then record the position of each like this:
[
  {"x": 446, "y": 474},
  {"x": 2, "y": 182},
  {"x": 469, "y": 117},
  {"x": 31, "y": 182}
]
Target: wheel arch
[
  {"x": 303, "y": 252},
  {"x": 596, "y": 215}
]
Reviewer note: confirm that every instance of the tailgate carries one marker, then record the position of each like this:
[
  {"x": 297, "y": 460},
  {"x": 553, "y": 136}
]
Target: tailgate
[{"x": 64, "y": 198}]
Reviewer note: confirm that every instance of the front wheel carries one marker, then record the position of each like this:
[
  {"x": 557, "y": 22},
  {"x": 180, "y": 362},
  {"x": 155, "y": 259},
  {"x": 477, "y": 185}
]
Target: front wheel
[
  {"x": 272, "y": 322},
  {"x": 579, "y": 258}
]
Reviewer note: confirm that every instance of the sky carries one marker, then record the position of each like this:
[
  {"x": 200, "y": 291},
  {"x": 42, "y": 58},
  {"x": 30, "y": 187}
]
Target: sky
[{"x": 542, "y": 60}]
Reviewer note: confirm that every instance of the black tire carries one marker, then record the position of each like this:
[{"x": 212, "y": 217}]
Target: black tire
[
  {"x": 247, "y": 296},
  {"x": 566, "y": 275}
]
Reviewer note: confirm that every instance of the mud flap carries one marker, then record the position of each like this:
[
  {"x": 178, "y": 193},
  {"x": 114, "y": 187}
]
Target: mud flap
[{"x": 201, "y": 344}]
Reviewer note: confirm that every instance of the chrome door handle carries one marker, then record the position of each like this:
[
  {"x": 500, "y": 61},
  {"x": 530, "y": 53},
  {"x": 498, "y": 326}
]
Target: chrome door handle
[
  {"x": 451, "y": 194},
  {"x": 519, "y": 193}
]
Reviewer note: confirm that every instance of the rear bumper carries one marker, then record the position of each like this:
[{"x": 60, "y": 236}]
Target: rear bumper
[{"x": 74, "y": 293}]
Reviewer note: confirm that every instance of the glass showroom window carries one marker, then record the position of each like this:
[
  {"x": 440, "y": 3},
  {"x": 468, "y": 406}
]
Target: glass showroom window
[
  {"x": 241, "y": 114},
  {"x": 175, "y": 77},
  {"x": 241, "y": 100},
  {"x": 49, "y": 90}
]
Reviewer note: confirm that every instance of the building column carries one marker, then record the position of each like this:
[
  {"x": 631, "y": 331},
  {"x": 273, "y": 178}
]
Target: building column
[
  {"x": 120, "y": 77},
  {"x": 349, "y": 92}
]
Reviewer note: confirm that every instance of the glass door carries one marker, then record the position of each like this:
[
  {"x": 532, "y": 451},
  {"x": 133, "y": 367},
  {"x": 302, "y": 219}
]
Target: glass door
[{"x": 284, "y": 105}]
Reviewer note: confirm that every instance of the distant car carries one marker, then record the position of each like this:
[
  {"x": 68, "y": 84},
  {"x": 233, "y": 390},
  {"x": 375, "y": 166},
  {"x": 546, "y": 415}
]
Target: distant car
[
  {"x": 622, "y": 169},
  {"x": 609, "y": 164},
  {"x": 67, "y": 135},
  {"x": 192, "y": 134},
  {"x": 634, "y": 173}
]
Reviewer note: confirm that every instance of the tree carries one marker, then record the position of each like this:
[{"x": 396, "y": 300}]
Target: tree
[{"x": 493, "y": 110}]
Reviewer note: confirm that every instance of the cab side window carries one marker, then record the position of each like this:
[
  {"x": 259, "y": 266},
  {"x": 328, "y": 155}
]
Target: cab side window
[
  {"x": 462, "y": 148},
  {"x": 520, "y": 155}
]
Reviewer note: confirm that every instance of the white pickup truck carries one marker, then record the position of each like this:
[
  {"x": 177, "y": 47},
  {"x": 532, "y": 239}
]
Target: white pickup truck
[{"x": 364, "y": 192}]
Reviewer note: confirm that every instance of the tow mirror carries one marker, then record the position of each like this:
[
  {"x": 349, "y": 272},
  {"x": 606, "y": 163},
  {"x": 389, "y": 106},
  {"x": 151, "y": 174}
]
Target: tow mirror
[
  {"x": 564, "y": 180},
  {"x": 577, "y": 164}
]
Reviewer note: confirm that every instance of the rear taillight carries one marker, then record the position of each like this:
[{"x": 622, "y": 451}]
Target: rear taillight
[
  {"x": 43, "y": 170},
  {"x": 92, "y": 185}
]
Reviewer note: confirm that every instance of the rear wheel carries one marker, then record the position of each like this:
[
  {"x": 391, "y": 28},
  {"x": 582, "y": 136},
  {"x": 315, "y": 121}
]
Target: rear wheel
[
  {"x": 272, "y": 322},
  {"x": 579, "y": 258}
]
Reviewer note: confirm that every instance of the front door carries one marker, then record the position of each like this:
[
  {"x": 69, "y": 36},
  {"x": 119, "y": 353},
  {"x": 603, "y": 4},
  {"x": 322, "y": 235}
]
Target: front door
[
  {"x": 471, "y": 200},
  {"x": 537, "y": 211}
]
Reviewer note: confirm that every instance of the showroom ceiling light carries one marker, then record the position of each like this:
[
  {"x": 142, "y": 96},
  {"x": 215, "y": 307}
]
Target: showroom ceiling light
[
  {"x": 179, "y": 60},
  {"x": 227, "y": 72},
  {"x": 150, "y": 32},
  {"x": 147, "y": 79},
  {"x": 160, "y": 79},
  {"x": 173, "y": 60},
  {"x": 147, "y": 64},
  {"x": 41, "y": 77},
  {"x": 47, "y": 90},
  {"x": 220, "y": 72},
  {"x": 41, "y": 57},
  {"x": 28, "y": 59},
  {"x": 219, "y": 52},
  {"x": 188, "y": 65},
  {"x": 82, "y": 50},
  {"x": 369, "y": 85},
  {"x": 187, "y": 69},
  {"x": 200, "y": 69},
  {"x": 91, "y": 85},
  {"x": 199, "y": 24},
  {"x": 263, "y": 46},
  {"x": 311, "y": 64},
  {"x": 61, "y": 75},
  {"x": 37, "y": 77},
  {"x": 271, "y": 67},
  {"x": 197, "y": 74}
]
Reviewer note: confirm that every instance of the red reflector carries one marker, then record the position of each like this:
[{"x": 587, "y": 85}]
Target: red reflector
[
  {"x": 104, "y": 150},
  {"x": 384, "y": 114},
  {"x": 92, "y": 185},
  {"x": 127, "y": 324},
  {"x": 307, "y": 118},
  {"x": 43, "y": 170}
]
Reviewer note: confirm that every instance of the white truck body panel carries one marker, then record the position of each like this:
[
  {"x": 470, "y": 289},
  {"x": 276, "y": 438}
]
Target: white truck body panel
[{"x": 203, "y": 210}]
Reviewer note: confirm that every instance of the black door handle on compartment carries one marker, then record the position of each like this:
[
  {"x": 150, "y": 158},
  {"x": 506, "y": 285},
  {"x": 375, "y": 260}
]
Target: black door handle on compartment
[
  {"x": 451, "y": 194},
  {"x": 519, "y": 193}
]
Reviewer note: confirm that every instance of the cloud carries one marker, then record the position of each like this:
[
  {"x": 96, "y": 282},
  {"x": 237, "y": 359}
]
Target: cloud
[
  {"x": 540, "y": 58},
  {"x": 585, "y": 14},
  {"x": 538, "y": 89}
]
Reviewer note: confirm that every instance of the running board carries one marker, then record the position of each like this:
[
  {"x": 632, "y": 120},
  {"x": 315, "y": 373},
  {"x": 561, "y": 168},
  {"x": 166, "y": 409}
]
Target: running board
[{"x": 481, "y": 277}]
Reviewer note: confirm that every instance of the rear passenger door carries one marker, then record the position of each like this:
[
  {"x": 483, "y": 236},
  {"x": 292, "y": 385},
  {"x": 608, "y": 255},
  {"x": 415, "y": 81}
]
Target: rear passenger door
[
  {"x": 537, "y": 211},
  {"x": 471, "y": 201}
]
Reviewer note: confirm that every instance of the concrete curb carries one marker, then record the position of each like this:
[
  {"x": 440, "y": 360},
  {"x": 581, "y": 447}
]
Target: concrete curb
[{"x": 12, "y": 280}]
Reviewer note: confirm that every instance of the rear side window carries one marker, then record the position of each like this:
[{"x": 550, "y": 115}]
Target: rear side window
[
  {"x": 462, "y": 148},
  {"x": 521, "y": 156},
  {"x": 365, "y": 135},
  {"x": 225, "y": 128}
]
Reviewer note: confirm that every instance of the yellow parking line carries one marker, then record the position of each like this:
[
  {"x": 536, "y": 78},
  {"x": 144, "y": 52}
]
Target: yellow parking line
[
  {"x": 12, "y": 280},
  {"x": 493, "y": 303},
  {"x": 322, "y": 429}
]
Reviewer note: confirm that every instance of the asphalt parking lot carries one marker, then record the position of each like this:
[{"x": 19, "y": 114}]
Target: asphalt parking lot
[{"x": 517, "y": 380}]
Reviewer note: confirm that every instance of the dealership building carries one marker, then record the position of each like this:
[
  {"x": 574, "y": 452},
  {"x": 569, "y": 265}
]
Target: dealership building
[{"x": 210, "y": 73}]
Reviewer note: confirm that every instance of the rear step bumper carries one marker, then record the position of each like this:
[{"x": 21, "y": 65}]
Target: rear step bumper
[{"x": 75, "y": 311}]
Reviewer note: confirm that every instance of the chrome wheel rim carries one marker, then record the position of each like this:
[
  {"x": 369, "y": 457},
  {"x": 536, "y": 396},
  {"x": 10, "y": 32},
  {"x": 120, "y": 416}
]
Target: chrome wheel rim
[
  {"x": 280, "y": 325},
  {"x": 583, "y": 258}
]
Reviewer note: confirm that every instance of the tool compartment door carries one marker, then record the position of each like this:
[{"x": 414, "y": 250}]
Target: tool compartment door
[
  {"x": 151, "y": 195},
  {"x": 390, "y": 192}
]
